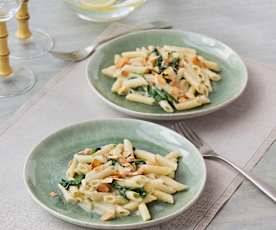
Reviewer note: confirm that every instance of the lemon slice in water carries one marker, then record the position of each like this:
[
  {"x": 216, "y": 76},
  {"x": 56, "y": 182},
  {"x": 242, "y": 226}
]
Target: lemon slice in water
[{"x": 97, "y": 4}]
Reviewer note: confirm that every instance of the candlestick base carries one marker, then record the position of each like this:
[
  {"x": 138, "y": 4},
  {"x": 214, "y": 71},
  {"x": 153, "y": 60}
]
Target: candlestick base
[
  {"x": 19, "y": 82},
  {"x": 37, "y": 45}
]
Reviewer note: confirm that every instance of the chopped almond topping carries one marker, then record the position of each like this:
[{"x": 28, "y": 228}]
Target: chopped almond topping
[
  {"x": 144, "y": 61},
  {"x": 183, "y": 98},
  {"x": 136, "y": 173},
  {"x": 123, "y": 161},
  {"x": 95, "y": 163},
  {"x": 175, "y": 92},
  {"x": 87, "y": 151},
  {"x": 103, "y": 188},
  {"x": 121, "y": 62},
  {"x": 131, "y": 158},
  {"x": 198, "y": 62},
  {"x": 161, "y": 81},
  {"x": 53, "y": 194},
  {"x": 116, "y": 175},
  {"x": 124, "y": 174},
  {"x": 173, "y": 82},
  {"x": 124, "y": 73}
]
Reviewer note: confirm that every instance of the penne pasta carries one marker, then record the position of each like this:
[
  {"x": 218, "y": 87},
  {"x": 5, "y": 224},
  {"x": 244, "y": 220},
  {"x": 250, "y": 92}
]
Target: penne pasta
[
  {"x": 158, "y": 185},
  {"x": 140, "y": 98},
  {"x": 165, "y": 197},
  {"x": 160, "y": 170},
  {"x": 167, "y": 77},
  {"x": 149, "y": 198},
  {"x": 84, "y": 158},
  {"x": 144, "y": 212},
  {"x": 173, "y": 155},
  {"x": 166, "y": 106},
  {"x": 71, "y": 170},
  {"x": 115, "y": 153},
  {"x": 131, "y": 205},
  {"x": 110, "y": 71},
  {"x": 134, "y": 69},
  {"x": 162, "y": 161},
  {"x": 101, "y": 174},
  {"x": 114, "y": 199},
  {"x": 134, "y": 54},
  {"x": 128, "y": 149},
  {"x": 142, "y": 154},
  {"x": 135, "y": 82},
  {"x": 119, "y": 180},
  {"x": 134, "y": 196},
  {"x": 121, "y": 211},
  {"x": 192, "y": 103},
  {"x": 67, "y": 196},
  {"x": 173, "y": 184},
  {"x": 117, "y": 85}
]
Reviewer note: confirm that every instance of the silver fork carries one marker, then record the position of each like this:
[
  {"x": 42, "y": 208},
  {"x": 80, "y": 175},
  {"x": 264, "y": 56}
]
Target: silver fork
[
  {"x": 209, "y": 153},
  {"x": 79, "y": 55}
]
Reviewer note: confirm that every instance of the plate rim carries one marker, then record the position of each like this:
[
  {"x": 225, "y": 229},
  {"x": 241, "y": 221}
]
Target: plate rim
[
  {"x": 113, "y": 226},
  {"x": 168, "y": 116}
]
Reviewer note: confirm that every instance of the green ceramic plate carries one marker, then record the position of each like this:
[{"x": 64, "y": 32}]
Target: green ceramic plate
[
  {"x": 234, "y": 72},
  {"x": 47, "y": 164}
]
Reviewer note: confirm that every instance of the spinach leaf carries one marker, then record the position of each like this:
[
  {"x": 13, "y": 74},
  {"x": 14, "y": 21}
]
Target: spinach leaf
[
  {"x": 159, "y": 60},
  {"x": 159, "y": 64},
  {"x": 139, "y": 162},
  {"x": 155, "y": 51},
  {"x": 122, "y": 190},
  {"x": 160, "y": 95},
  {"x": 67, "y": 183},
  {"x": 155, "y": 93},
  {"x": 113, "y": 161},
  {"x": 95, "y": 150},
  {"x": 142, "y": 89},
  {"x": 141, "y": 191},
  {"x": 175, "y": 64},
  {"x": 133, "y": 77}
]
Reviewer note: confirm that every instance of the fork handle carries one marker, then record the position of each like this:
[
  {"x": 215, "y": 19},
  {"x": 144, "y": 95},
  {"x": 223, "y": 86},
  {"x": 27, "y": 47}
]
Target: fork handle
[
  {"x": 260, "y": 184},
  {"x": 161, "y": 25}
]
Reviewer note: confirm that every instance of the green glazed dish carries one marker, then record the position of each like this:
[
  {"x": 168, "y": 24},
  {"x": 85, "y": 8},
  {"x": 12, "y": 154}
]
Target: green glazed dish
[
  {"x": 234, "y": 73},
  {"x": 47, "y": 163}
]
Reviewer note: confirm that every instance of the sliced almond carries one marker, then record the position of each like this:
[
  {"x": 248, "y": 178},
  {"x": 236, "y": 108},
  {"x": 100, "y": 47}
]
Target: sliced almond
[
  {"x": 53, "y": 194},
  {"x": 95, "y": 163},
  {"x": 121, "y": 62},
  {"x": 103, "y": 188},
  {"x": 124, "y": 73},
  {"x": 87, "y": 151}
]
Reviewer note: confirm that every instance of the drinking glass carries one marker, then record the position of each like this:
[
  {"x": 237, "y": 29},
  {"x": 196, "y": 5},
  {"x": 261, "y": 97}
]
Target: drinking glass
[
  {"x": 14, "y": 80},
  {"x": 35, "y": 44},
  {"x": 103, "y": 10}
]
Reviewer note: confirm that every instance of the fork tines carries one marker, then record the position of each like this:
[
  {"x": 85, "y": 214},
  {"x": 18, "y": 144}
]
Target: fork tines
[{"x": 186, "y": 131}]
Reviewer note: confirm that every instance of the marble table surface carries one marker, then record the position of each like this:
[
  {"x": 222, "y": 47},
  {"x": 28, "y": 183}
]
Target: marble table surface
[{"x": 247, "y": 26}]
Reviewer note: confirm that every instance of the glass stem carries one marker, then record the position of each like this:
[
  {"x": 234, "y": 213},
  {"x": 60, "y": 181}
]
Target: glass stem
[
  {"x": 22, "y": 17},
  {"x": 5, "y": 68}
]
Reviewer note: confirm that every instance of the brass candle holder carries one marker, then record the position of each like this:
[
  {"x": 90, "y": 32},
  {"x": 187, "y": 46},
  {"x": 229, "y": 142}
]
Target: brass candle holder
[
  {"x": 26, "y": 43},
  {"x": 18, "y": 79},
  {"x": 5, "y": 67},
  {"x": 22, "y": 16}
]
